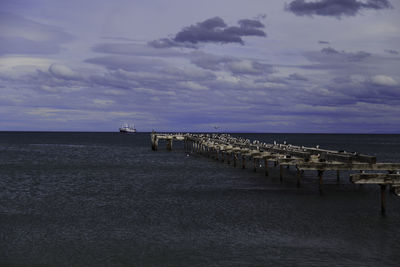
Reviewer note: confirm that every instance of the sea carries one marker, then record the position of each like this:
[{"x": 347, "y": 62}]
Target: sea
[{"x": 107, "y": 199}]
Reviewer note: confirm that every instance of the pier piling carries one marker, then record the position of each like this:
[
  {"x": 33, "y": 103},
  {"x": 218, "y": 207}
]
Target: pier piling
[
  {"x": 383, "y": 199},
  {"x": 303, "y": 158},
  {"x": 320, "y": 184},
  {"x": 337, "y": 177},
  {"x": 169, "y": 145},
  {"x": 299, "y": 174}
]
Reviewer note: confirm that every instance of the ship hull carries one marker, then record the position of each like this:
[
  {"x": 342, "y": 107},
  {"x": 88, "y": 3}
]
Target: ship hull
[{"x": 127, "y": 131}]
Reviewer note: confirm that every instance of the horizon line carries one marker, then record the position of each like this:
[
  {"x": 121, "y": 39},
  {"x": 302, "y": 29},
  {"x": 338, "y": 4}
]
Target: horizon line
[{"x": 206, "y": 132}]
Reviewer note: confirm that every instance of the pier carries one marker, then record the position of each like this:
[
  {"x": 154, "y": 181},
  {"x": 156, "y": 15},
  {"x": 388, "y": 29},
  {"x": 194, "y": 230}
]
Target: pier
[{"x": 236, "y": 150}]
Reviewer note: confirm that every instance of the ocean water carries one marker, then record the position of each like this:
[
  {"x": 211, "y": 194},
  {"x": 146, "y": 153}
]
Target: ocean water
[{"x": 107, "y": 199}]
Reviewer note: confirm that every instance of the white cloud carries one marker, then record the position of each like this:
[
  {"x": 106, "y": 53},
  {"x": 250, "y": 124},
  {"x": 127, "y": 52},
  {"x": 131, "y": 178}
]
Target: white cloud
[
  {"x": 193, "y": 86},
  {"x": 15, "y": 64},
  {"x": 243, "y": 66},
  {"x": 63, "y": 72},
  {"x": 103, "y": 102},
  {"x": 227, "y": 78},
  {"x": 384, "y": 80}
]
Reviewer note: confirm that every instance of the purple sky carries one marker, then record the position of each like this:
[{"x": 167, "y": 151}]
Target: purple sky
[{"x": 183, "y": 65}]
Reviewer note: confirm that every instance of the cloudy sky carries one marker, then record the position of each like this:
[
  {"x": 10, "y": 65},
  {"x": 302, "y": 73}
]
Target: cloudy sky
[{"x": 184, "y": 65}]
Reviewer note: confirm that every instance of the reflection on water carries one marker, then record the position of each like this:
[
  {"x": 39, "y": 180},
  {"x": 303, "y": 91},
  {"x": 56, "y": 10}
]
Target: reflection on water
[{"x": 106, "y": 199}]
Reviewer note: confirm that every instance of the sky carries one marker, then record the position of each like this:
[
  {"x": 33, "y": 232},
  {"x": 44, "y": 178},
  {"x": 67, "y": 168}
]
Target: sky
[{"x": 296, "y": 66}]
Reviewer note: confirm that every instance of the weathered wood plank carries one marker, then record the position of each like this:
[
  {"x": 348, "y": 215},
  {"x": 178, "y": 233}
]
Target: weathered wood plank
[
  {"x": 290, "y": 152},
  {"x": 290, "y": 161},
  {"x": 375, "y": 178},
  {"x": 326, "y": 166}
]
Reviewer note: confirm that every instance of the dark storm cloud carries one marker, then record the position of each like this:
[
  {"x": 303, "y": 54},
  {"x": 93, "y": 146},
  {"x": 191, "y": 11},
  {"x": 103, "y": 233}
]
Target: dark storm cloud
[
  {"x": 376, "y": 89},
  {"x": 167, "y": 43},
  {"x": 19, "y": 35},
  {"x": 329, "y": 51},
  {"x": 213, "y": 30},
  {"x": 330, "y": 54},
  {"x": 297, "y": 77},
  {"x": 335, "y": 8},
  {"x": 250, "y": 23},
  {"x": 392, "y": 52},
  {"x": 357, "y": 56}
]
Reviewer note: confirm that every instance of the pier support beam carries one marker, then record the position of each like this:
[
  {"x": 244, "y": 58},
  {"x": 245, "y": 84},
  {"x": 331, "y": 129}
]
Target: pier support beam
[
  {"x": 243, "y": 162},
  {"x": 299, "y": 176},
  {"x": 383, "y": 199},
  {"x": 235, "y": 157},
  {"x": 338, "y": 177},
  {"x": 169, "y": 144},
  {"x": 320, "y": 185},
  {"x": 155, "y": 144},
  {"x": 266, "y": 166},
  {"x": 391, "y": 187},
  {"x": 281, "y": 173}
]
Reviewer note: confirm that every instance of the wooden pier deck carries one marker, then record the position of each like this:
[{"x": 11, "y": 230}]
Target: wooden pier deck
[{"x": 230, "y": 149}]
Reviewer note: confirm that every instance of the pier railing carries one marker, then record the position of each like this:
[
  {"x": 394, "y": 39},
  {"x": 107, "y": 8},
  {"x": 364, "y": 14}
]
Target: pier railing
[{"x": 230, "y": 149}]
